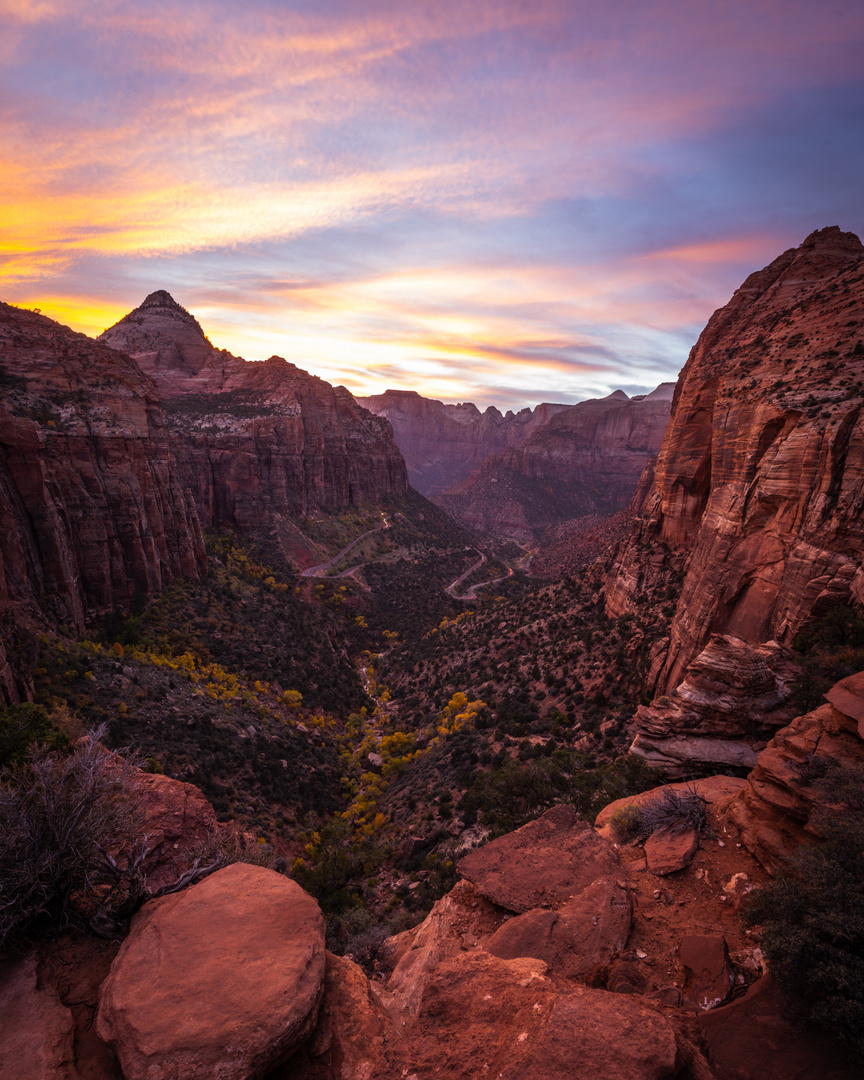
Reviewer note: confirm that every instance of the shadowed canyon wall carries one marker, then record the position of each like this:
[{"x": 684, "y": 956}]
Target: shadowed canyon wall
[
  {"x": 585, "y": 460},
  {"x": 92, "y": 507},
  {"x": 443, "y": 444},
  {"x": 759, "y": 487},
  {"x": 251, "y": 439}
]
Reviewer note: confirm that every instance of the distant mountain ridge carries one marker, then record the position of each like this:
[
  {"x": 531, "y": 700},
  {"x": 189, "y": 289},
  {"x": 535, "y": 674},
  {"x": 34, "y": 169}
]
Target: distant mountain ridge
[
  {"x": 584, "y": 461},
  {"x": 443, "y": 444}
]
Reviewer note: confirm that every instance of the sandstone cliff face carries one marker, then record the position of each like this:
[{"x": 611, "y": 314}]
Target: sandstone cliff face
[
  {"x": 443, "y": 444},
  {"x": 252, "y": 439},
  {"x": 586, "y": 460},
  {"x": 759, "y": 488},
  {"x": 92, "y": 507}
]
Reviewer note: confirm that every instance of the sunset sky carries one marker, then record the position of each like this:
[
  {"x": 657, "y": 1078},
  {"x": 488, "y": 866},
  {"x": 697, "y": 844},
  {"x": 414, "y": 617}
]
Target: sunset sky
[{"x": 507, "y": 202}]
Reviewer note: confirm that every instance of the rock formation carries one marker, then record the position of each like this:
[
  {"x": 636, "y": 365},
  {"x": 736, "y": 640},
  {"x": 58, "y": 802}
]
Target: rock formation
[
  {"x": 583, "y": 462},
  {"x": 442, "y": 444},
  {"x": 779, "y": 807},
  {"x": 223, "y": 979},
  {"x": 93, "y": 509},
  {"x": 759, "y": 486},
  {"x": 254, "y": 439}
]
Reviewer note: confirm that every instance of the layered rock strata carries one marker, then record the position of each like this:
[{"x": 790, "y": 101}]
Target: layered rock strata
[
  {"x": 443, "y": 444},
  {"x": 255, "y": 439},
  {"x": 780, "y": 806},
  {"x": 93, "y": 509},
  {"x": 759, "y": 486},
  {"x": 583, "y": 462}
]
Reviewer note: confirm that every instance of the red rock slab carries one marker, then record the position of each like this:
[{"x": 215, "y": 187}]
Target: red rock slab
[
  {"x": 221, "y": 980},
  {"x": 707, "y": 972},
  {"x": 580, "y": 937},
  {"x": 351, "y": 1033},
  {"x": 544, "y": 864},
  {"x": 36, "y": 1029},
  {"x": 847, "y": 697},
  {"x": 750, "y": 1040},
  {"x": 668, "y": 852},
  {"x": 482, "y": 1016},
  {"x": 717, "y": 791}
]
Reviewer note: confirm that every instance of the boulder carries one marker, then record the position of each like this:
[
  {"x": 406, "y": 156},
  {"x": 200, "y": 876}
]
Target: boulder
[
  {"x": 544, "y": 864},
  {"x": 668, "y": 850},
  {"x": 221, "y": 980},
  {"x": 460, "y": 921},
  {"x": 779, "y": 806},
  {"x": 708, "y": 975},
  {"x": 351, "y": 1032},
  {"x": 483, "y": 1016},
  {"x": 583, "y": 935},
  {"x": 847, "y": 696},
  {"x": 37, "y": 1033}
]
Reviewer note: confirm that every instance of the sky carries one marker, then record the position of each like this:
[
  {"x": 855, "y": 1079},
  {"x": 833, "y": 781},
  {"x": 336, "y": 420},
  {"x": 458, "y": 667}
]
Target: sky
[{"x": 505, "y": 202}]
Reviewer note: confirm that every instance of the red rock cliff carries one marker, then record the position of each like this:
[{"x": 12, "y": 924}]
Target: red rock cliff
[
  {"x": 585, "y": 460},
  {"x": 92, "y": 510},
  {"x": 759, "y": 487},
  {"x": 442, "y": 443},
  {"x": 252, "y": 439}
]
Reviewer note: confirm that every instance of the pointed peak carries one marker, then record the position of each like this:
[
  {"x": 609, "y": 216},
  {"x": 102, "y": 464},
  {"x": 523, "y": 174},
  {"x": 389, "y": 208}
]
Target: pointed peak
[{"x": 160, "y": 298}]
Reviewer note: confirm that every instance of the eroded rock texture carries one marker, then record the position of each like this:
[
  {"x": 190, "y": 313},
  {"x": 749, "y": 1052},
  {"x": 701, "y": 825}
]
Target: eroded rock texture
[
  {"x": 759, "y": 487},
  {"x": 93, "y": 510},
  {"x": 442, "y": 444},
  {"x": 253, "y": 439},
  {"x": 223, "y": 979},
  {"x": 778, "y": 809},
  {"x": 583, "y": 462}
]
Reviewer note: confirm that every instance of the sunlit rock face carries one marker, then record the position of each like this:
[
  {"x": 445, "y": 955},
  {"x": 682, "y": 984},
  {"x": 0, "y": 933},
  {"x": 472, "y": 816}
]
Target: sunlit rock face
[
  {"x": 585, "y": 461},
  {"x": 93, "y": 510},
  {"x": 253, "y": 439},
  {"x": 443, "y": 444},
  {"x": 759, "y": 487}
]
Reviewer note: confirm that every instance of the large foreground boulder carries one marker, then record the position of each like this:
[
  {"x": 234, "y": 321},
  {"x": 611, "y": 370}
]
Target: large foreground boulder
[
  {"x": 482, "y": 1016},
  {"x": 220, "y": 982},
  {"x": 544, "y": 864}
]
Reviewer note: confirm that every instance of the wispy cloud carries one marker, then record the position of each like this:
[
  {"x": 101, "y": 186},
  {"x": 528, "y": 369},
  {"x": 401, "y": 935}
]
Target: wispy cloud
[{"x": 480, "y": 197}]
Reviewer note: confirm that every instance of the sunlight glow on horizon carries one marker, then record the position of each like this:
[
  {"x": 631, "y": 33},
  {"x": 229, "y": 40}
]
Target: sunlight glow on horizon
[{"x": 474, "y": 202}]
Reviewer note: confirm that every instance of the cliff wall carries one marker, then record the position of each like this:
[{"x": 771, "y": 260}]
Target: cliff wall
[
  {"x": 251, "y": 439},
  {"x": 93, "y": 510},
  {"x": 759, "y": 487},
  {"x": 443, "y": 444},
  {"x": 585, "y": 460}
]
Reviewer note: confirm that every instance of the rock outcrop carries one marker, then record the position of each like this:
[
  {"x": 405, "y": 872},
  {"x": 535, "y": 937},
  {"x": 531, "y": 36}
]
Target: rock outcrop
[
  {"x": 93, "y": 509},
  {"x": 730, "y": 695},
  {"x": 583, "y": 463},
  {"x": 779, "y": 807},
  {"x": 443, "y": 444},
  {"x": 256, "y": 439},
  {"x": 759, "y": 486},
  {"x": 38, "y": 1033},
  {"x": 224, "y": 979}
]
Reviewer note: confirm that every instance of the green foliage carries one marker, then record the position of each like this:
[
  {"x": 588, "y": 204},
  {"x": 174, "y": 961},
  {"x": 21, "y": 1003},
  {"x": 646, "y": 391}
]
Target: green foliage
[
  {"x": 23, "y": 725},
  {"x": 813, "y": 930},
  {"x": 514, "y": 793},
  {"x": 813, "y": 912}
]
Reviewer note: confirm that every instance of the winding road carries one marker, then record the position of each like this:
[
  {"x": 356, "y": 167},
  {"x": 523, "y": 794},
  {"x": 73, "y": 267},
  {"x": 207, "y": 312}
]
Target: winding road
[{"x": 323, "y": 569}]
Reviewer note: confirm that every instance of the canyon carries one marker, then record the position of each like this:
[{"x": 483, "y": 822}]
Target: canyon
[
  {"x": 583, "y": 463},
  {"x": 452, "y": 796},
  {"x": 442, "y": 444}
]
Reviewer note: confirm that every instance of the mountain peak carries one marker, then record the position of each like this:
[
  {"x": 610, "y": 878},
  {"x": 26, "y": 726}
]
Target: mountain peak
[
  {"x": 160, "y": 298},
  {"x": 161, "y": 334}
]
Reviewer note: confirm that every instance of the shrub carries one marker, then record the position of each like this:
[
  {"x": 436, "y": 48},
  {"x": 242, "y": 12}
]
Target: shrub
[
  {"x": 625, "y": 821},
  {"x": 813, "y": 930},
  {"x": 673, "y": 810},
  {"x": 59, "y": 815}
]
